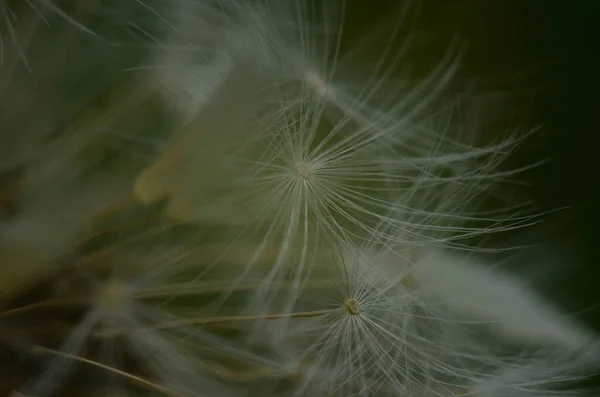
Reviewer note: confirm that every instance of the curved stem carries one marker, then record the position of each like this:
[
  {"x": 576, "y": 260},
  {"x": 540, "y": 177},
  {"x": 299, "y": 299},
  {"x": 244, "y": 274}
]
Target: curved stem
[{"x": 134, "y": 378}]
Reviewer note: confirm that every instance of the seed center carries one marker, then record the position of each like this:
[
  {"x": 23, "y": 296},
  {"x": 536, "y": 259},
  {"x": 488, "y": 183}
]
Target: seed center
[
  {"x": 112, "y": 297},
  {"x": 303, "y": 170},
  {"x": 317, "y": 84},
  {"x": 352, "y": 307}
]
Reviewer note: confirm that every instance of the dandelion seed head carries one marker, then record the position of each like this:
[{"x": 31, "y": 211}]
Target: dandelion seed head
[
  {"x": 112, "y": 297},
  {"x": 318, "y": 84},
  {"x": 303, "y": 170},
  {"x": 353, "y": 307}
]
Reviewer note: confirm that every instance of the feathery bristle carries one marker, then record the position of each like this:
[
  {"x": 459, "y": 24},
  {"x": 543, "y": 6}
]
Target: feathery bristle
[{"x": 238, "y": 198}]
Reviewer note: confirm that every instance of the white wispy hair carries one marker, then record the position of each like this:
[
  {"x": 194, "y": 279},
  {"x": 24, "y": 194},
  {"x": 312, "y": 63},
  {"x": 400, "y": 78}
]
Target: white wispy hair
[
  {"x": 77, "y": 123},
  {"x": 509, "y": 304},
  {"x": 554, "y": 372},
  {"x": 192, "y": 56},
  {"x": 18, "y": 25},
  {"x": 358, "y": 154},
  {"x": 337, "y": 195},
  {"x": 380, "y": 322},
  {"x": 271, "y": 153},
  {"x": 130, "y": 315}
]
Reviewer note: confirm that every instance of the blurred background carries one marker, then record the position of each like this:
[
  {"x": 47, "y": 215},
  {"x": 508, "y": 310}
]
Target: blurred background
[
  {"x": 542, "y": 57},
  {"x": 555, "y": 45}
]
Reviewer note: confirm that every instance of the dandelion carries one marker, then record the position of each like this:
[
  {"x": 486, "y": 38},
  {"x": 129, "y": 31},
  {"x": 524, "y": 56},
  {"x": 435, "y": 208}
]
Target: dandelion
[
  {"x": 381, "y": 325},
  {"x": 232, "y": 198},
  {"x": 268, "y": 153}
]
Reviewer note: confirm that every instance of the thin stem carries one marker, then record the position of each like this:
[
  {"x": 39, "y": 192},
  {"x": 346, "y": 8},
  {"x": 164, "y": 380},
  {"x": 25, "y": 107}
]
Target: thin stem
[
  {"x": 134, "y": 378},
  {"x": 216, "y": 320},
  {"x": 204, "y": 289},
  {"x": 75, "y": 301},
  {"x": 229, "y": 319}
]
